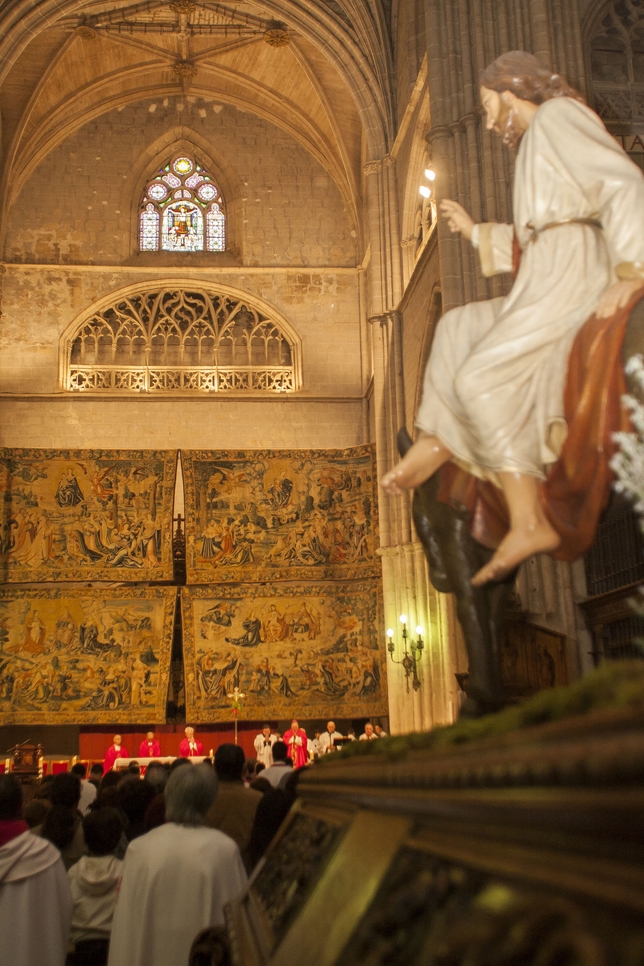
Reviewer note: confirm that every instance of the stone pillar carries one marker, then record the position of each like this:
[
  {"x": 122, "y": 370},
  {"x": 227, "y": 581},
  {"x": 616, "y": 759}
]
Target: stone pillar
[
  {"x": 407, "y": 591},
  {"x": 405, "y": 579},
  {"x": 472, "y": 167},
  {"x": 389, "y": 399},
  {"x": 406, "y": 586}
]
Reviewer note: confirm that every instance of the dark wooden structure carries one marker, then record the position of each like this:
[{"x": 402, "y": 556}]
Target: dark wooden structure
[
  {"x": 614, "y": 572},
  {"x": 25, "y": 759},
  {"x": 526, "y": 848}
]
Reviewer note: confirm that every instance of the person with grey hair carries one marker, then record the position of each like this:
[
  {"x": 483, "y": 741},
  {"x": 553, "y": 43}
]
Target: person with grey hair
[
  {"x": 176, "y": 878},
  {"x": 156, "y": 775}
]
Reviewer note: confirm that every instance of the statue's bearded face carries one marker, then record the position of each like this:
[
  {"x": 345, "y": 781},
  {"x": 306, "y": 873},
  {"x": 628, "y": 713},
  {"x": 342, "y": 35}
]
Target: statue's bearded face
[{"x": 501, "y": 116}]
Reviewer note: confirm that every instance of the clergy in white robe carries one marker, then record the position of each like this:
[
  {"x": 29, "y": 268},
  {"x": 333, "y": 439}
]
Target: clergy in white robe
[
  {"x": 494, "y": 384},
  {"x": 176, "y": 879},
  {"x": 35, "y": 899},
  {"x": 264, "y": 746},
  {"x": 328, "y": 738}
]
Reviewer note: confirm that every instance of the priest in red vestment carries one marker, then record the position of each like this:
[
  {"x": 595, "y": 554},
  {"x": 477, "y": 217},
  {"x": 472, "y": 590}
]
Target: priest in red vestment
[
  {"x": 150, "y": 748},
  {"x": 116, "y": 750},
  {"x": 296, "y": 741},
  {"x": 190, "y": 747}
]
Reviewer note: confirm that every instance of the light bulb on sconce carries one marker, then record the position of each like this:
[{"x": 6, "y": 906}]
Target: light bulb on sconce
[
  {"x": 425, "y": 191},
  {"x": 430, "y": 174},
  {"x": 403, "y": 618},
  {"x": 419, "y": 630},
  {"x": 390, "y": 632}
]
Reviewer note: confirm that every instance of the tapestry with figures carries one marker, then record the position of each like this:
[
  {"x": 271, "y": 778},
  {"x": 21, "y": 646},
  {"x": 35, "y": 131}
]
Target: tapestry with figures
[
  {"x": 312, "y": 650},
  {"x": 86, "y": 515},
  {"x": 281, "y": 514},
  {"x": 91, "y": 655}
]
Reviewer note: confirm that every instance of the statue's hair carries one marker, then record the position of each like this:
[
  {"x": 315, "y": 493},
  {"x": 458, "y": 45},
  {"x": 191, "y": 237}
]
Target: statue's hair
[{"x": 523, "y": 75}]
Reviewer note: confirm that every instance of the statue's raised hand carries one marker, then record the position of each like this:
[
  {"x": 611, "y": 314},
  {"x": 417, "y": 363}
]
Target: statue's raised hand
[{"x": 457, "y": 218}]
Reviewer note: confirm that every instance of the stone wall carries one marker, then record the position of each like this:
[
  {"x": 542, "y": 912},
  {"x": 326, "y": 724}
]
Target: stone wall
[
  {"x": 72, "y": 207},
  {"x": 71, "y": 241}
]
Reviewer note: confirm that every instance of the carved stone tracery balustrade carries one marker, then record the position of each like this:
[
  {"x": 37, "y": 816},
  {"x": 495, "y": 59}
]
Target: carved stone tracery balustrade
[{"x": 173, "y": 340}]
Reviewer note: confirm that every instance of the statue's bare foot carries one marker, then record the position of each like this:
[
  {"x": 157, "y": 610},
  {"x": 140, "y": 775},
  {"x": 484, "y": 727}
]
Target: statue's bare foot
[
  {"x": 519, "y": 544},
  {"x": 419, "y": 462}
]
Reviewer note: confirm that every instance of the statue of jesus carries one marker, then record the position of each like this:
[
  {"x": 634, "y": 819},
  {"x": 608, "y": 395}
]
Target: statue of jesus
[{"x": 494, "y": 384}]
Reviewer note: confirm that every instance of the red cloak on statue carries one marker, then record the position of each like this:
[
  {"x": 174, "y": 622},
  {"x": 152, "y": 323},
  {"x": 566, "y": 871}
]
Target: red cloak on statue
[{"x": 578, "y": 486}]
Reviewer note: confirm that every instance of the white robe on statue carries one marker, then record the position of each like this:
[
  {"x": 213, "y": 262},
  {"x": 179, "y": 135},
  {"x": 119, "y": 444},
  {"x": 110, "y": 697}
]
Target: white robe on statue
[
  {"x": 35, "y": 903},
  {"x": 494, "y": 384},
  {"x": 176, "y": 882}
]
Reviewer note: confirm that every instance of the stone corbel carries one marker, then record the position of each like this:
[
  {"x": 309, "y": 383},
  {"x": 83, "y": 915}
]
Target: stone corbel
[
  {"x": 441, "y": 131},
  {"x": 372, "y": 167},
  {"x": 384, "y": 319}
]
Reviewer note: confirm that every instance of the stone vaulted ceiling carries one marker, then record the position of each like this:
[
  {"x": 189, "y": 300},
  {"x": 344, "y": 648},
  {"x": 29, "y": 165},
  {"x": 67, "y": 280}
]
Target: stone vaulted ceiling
[{"x": 319, "y": 69}]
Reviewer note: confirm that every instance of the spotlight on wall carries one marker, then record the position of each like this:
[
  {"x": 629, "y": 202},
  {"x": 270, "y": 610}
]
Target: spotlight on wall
[
  {"x": 430, "y": 174},
  {"x": 425, "y": 191}
]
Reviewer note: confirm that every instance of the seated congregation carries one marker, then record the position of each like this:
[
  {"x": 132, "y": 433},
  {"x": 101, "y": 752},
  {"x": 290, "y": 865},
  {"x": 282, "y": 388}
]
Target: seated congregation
[{"x": 119, "y": 870}]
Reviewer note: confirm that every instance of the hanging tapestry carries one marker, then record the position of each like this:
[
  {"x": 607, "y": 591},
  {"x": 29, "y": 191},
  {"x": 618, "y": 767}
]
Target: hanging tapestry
[
  {"x": 281, "y": 514},
  {"x": 86, "y": 515},
  {"x": 92, "y": 655},
  {"x": 311, "y": 650}
]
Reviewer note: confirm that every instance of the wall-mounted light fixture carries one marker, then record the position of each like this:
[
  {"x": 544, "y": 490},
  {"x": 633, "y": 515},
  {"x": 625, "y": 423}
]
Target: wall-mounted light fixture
[
  {"x": 411, "y": 654},
  {"x": 425, "y": 189}
]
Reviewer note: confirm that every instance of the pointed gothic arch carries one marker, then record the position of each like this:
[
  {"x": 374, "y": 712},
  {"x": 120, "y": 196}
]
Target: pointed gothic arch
[
  {"x": 182, "y": 209},
  {"x": 182, "y": 141},
  {"x": 615, "y": 57}
]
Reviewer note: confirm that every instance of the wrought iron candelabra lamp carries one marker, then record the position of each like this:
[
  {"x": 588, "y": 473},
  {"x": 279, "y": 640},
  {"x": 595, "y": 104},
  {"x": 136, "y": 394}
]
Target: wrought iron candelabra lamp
[{"x": 412, "y": 653}]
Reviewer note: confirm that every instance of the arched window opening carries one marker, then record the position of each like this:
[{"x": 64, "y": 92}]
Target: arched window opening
[
  {"x": 182, "y": 210},
  {"x": 176, "y": 339},
  {"x": 426, "y": 210},
  {"x": 617, "y": 62}
]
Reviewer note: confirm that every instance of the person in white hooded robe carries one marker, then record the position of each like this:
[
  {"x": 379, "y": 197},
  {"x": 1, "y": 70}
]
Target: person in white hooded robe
[
  {"x": 176, "y": 878},
  {"x": 35, "y": 900},
  {"x": 493, "y": 393}
]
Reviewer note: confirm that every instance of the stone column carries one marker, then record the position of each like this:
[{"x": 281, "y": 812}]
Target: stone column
[
  {"x": 407, "y": 591},
  {"x": 405, "y": 579},
  {"x": 471, "y": 165}
]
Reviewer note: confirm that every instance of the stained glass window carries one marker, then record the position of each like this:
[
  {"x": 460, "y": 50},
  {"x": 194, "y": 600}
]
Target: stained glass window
[
  {"x": 178, "y": 202},
  {"x": 149, "y": 229},
  {"x": 182, "y": 229},
  {"x": 215, "y": 229}
]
